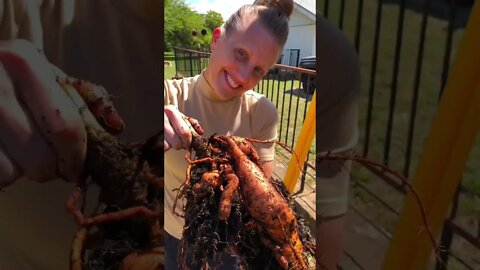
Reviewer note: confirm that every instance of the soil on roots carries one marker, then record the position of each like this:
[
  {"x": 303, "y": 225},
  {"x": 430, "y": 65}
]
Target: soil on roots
[
  {"x": 206, "y": 237},
  {"x": 128, "y": 216}
]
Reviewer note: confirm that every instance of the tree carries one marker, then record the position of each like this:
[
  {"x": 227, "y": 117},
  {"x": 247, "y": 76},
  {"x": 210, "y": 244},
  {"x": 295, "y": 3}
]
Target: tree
[
  {"x": 180, "y": 21},
  {"x": 213, "y": 20}
]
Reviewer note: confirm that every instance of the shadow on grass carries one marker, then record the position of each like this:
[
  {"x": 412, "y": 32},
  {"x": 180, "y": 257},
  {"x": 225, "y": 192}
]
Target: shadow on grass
[
  {"x": 299, "y": 92},
  {"x": 440, "y": 9}
]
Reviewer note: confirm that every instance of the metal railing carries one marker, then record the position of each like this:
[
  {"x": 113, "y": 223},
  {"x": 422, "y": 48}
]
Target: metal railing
[
  {"x": 289, "y": 88},
  {"x": 398, "y": 41},
  {"x": 189, "y": 63}
]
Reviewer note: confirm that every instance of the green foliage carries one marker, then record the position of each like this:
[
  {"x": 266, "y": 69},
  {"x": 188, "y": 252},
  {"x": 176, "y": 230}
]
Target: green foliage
[
  {"x": 213, "y": 20},
  {"x": 181, "y": 21}
]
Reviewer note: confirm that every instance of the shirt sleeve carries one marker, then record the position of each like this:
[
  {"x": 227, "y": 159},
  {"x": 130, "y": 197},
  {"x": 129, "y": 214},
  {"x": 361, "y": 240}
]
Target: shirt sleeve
[
  {"x": 176, "y": 92},
  {"x": 170, "y": 92}
]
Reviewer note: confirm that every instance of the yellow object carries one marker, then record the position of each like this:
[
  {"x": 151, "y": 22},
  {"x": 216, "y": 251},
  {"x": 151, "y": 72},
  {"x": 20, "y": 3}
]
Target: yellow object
[
  {"x": 444, "y": 158},
  {"x": 304, "y": 142}
]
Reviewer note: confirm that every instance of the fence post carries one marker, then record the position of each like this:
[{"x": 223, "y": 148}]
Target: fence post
[{"x": 176, "y": 62}]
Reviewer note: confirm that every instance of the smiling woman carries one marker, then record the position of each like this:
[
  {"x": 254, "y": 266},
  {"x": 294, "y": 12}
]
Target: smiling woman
[
  {"x": 243, "y": 50},
  {"x": 240, "y": 60}
]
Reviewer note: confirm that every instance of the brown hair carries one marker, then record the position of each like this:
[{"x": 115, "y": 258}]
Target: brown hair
[{"x": 273, "y": 14}]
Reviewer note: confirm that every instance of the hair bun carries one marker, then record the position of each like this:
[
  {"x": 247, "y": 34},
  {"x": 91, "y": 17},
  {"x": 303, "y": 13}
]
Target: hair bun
[{"x": 286, "y": 6}]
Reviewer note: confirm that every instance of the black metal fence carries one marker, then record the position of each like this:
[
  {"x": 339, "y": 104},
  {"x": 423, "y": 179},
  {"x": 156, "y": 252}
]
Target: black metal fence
[
  {"x": 189, "y": 63},
  {"x": 291, "y": 90},
  {"x": 406, "y": 48}
]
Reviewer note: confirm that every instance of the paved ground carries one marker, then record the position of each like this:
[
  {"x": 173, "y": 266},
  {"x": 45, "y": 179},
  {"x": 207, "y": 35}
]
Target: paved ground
[{"x": 365, "y": 246}]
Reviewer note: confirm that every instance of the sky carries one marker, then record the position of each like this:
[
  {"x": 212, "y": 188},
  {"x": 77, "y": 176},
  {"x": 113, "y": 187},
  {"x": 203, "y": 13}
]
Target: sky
[{"x": 224, "y": 7}]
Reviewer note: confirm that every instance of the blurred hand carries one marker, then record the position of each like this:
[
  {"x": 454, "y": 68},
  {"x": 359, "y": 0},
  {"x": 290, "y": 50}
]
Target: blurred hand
[
  {"x": 42, "y": 135},
  {"x": 178, "y": 129},
  {"x": 152, "y": 259}
]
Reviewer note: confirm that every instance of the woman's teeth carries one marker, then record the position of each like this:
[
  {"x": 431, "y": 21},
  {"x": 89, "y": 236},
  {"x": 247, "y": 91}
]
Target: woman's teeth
[{"x": 231, "y": 82}]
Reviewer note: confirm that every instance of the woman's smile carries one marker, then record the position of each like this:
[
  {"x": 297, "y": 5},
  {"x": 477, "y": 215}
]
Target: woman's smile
[
  {"x": 230, "y": 81},
  {"x": 240, "y": 59}
]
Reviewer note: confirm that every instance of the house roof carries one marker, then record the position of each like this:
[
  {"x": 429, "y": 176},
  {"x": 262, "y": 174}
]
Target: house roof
[
  {"x": 309, "y": 5},
  {"x": 305, "y": 6}
]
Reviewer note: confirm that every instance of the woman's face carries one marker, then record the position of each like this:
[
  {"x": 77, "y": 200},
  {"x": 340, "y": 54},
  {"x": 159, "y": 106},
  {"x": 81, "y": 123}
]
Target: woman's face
[{"x": 239, "y": 61}]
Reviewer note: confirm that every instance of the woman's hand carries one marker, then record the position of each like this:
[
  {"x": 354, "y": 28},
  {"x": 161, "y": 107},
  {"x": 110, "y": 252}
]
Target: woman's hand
[
  {"x": 42, "y": 135},
  {"x": 42, "y": 132},
  {"x": 178, "y": 129}
]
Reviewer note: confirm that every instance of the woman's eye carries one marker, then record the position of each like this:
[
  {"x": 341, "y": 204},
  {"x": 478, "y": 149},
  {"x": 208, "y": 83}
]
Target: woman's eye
[
  {"x": 258, "y": 71},
  {"x": 241, "y": 53}
]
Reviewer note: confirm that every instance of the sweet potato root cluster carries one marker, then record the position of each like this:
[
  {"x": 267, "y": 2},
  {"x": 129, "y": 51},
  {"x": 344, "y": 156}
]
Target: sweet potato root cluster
[
  {"x": 231, "y": 207},
  {"x": 125, "y": 231}
]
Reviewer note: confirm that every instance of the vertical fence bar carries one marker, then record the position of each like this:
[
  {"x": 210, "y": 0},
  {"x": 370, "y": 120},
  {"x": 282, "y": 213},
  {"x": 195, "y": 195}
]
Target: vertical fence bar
[
  {"x": 198, "y": 63},
  {"x": 325, "y": 8},
  {"x": 298, "y": 58},
  {"x": 342, "y": 14},
  {"x": 268, "y": 87},
  {"x": 261, "y": 82},
  {"x": 373, "y": 73},
  {"x": 295, "y": 121},
  {"x": 447, "y": 235},
  {"x": 303, "y": 176},
  {"x": 177, "y": 62},
  {"x": 393, "y": 93},
  {"x": 266, "y": 80},
  {"x": 307, "y": 94},
  {"x": 358, "y": 30},
  {"x": 191, "y": 64},
  {"x": 418, "y": 72},
  {"x": 278, "y": 88},
  {"x": 283, "y": 107},
  {"x": 289, "y": 111},
  {"x": 448, "y": 44}
]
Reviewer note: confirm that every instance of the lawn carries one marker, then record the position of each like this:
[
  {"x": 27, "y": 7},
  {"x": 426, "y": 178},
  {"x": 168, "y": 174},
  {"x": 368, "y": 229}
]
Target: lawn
[
  {"x": 292, "y": 104},
  {"x": 429, "y": 85},
  {"x": 169, "y": 72}
]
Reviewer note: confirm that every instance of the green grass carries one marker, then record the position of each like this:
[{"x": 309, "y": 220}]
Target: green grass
[
  {"x": 290, "y": 99},
  {"x": 429, "y": 87},
  {"x": 169, "y": 72}
]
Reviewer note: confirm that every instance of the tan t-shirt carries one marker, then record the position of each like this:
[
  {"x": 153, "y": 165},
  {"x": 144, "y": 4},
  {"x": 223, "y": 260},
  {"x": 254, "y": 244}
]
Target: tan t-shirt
[
  {"x": 116, "y": 43},
  {"x": 250, "y": 115}
]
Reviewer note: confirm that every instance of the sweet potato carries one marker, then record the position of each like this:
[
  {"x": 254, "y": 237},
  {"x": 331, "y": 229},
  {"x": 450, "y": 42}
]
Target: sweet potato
[
  {"x": 268, "y": 208},
  {"x": 227, "y": 194},
  {"x": 242, "y": 213}
]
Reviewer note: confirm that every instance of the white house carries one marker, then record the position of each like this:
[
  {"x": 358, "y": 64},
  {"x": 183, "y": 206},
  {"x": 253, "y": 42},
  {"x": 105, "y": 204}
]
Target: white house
[{"x": 302, "y": 32}]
